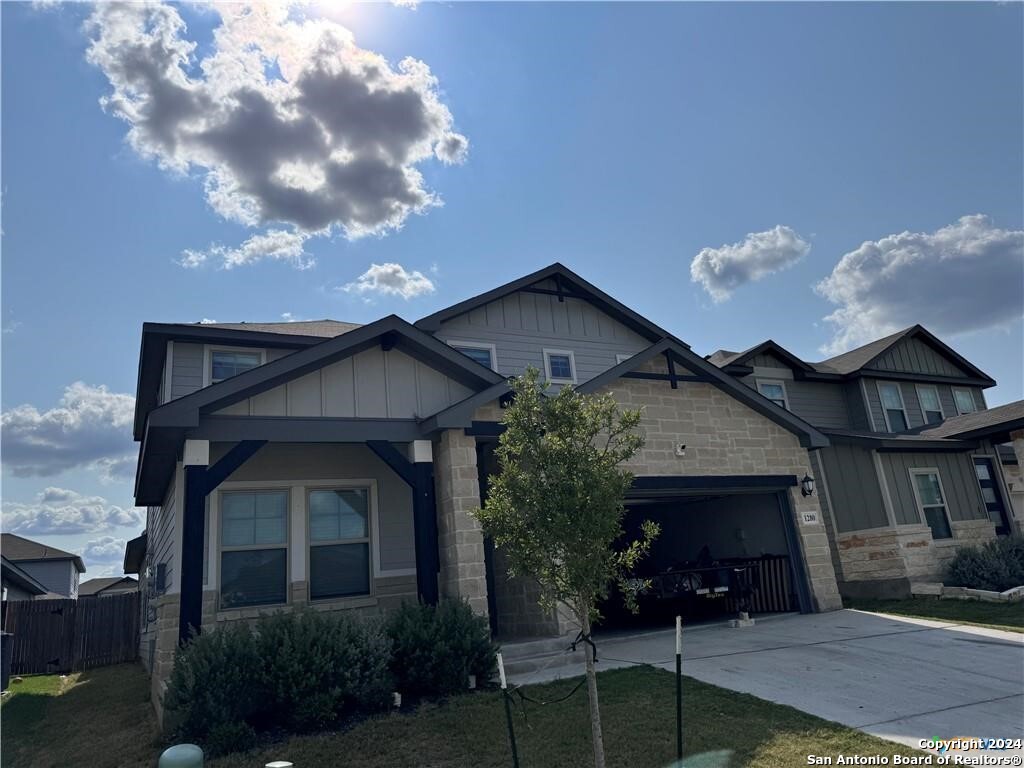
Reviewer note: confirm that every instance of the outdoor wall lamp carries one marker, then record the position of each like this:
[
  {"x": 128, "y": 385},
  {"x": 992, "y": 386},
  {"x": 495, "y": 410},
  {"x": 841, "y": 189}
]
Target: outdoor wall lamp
[{"x": 807, "y": 486}]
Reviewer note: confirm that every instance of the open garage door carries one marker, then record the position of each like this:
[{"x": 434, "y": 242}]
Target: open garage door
[{"x": 726, "y": 545}]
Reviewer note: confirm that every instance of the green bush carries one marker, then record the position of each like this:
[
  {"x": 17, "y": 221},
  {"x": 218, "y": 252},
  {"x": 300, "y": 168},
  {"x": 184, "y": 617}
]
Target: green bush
[
  {"x": 435, "y": 649},
  {"x": 997, "y": 565},
  {"x": 297, "y": 671}
]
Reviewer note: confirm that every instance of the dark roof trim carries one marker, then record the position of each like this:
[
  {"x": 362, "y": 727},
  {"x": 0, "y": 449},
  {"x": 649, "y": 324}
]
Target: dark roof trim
[
  {"x": 20, "y": 578},
  {"x": 903, "y": 443},
  {"x": 135, "y": 554},
  {"x": 665, "y": 485},
  {"x": 461, "y": 413},
  {"x": 185, "y": 411},
  {"x": 304, "y": 429},
  {"x": 809, "y": 436},
  {"x": 768, "y": 347},
  {"x": 576, "y": 284},
  {"x": 153, "y": 353}
]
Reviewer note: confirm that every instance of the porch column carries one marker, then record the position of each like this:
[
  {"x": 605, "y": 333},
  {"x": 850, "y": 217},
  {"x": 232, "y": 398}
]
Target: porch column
[{"x": 460, "y": 539}]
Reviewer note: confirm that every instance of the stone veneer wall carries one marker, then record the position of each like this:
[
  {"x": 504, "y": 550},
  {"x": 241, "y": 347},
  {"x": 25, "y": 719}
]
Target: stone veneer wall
[
  {"x": 725, "y": 437},
  {"x": 460, "y": 540}
]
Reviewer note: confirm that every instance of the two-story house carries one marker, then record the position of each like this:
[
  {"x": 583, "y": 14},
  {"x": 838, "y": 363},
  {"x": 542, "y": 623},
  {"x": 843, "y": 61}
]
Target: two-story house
[
  {"x": 56, "y": 570},
  {"x": 337, "y": 465}
]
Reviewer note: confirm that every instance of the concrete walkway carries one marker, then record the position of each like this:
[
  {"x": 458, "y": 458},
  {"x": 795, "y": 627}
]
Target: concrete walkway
[{"x": 898, "y": 678}]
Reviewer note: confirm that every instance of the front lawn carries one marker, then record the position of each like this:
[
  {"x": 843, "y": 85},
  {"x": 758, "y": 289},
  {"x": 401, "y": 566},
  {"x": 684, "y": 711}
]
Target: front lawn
[
  {"x": 1006, "y": 616},
  {"x": 102, "y": 719}
]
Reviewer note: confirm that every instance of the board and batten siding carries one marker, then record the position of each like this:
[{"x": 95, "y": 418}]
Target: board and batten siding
[
  {"x": 522, "y": 325},
  {"x": 371, "y": 384},
  {"x": 187, "y": 361},
  {"x": 915, "y": 416},
  {"x": 914, "y": 356},
  {"x": 821, "y": 404},
  {"x": 291, "y": 463},
  {"x": 853, "y": 488},
  {"x": 959, "y": 483}
]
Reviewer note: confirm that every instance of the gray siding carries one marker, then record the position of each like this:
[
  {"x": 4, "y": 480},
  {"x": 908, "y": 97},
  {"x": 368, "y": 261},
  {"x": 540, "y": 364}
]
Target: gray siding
[
  {"x": 855, "y": 405},
  {"x": 522, "y": 325},
  {"x": 160, "y": 533},
  {"x": 915, "y": 416},
  {"x": 12, "y": 592},
  {"x": 853, "y": 488},
  {"x": 914, "y": 356},
  {"x": 58, "y": 576},
  {"x": 186, "y": 369},
  {"x": 768, "y": 360},
  {"x": 819, "y": 403},
  {"x": 371, "y": 384},
  {"x": 956, "y": 470},
  {"x": 285, "y": 461}
]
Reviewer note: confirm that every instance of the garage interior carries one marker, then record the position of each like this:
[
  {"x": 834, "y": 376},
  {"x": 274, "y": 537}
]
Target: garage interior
[{"x": 719, "y": 552}]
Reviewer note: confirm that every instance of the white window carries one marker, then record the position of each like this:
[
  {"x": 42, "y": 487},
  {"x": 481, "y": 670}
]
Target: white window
[
  {"x": 253, "y": 548},
  {"x": 339, "y": 543},
  {"x": 931, "y": 406},
  {"x": 774, "y": 390},
  {"x": 931, "y": 501},
  {"x": 964, "y": 400},
  {"x": 892, "y": 406},
  {"x": 482, "y": 353},
  {"x": 622, "y": 358},
  {"x": 560, "y": 366},
  {"x": 225, "y": 363}
]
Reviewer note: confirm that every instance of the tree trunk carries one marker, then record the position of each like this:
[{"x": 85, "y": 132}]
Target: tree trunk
[{"x": 595, "y": 709}]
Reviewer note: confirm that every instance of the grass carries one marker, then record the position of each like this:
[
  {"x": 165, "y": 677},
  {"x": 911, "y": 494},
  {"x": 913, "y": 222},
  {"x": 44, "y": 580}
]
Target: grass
[
  {"x": 102, "y": 719},
  {"x": 1006, "y": 616}
]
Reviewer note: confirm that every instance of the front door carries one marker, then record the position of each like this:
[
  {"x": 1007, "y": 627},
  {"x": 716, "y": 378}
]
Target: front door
[{"x": 991, "y": 494}]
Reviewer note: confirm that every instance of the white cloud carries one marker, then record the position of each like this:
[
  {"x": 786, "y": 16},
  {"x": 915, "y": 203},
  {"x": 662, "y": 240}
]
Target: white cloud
[
  {"x": 390, "y": 280},
  {"x": 412, "y": 5},
  {"x": 288, "y": 317},
  {"x": 61, "y": 511},
  {"x": 104, "y": 550},
  {"x": 961, "y": 278},
  {"x": 272, "y": 245},
  {"x": 285, "y": 117},
  {"x": 722, "y": 270},
  {"x": 91, "y": 427}
]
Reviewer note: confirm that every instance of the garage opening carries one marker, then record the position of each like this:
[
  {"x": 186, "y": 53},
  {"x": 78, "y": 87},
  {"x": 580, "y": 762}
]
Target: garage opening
[{"x": 719, "y": 552}]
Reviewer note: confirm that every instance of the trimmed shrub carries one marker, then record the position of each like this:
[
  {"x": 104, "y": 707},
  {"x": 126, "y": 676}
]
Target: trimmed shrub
[
  {"x": 296, "y": 671},
  {"x": 997, "y": 565},
  {"x": 436, "y": 649}
]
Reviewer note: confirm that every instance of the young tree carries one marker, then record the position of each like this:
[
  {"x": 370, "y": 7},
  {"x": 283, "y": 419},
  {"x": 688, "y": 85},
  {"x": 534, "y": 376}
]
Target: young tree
[{"x": 555, "y": 508}]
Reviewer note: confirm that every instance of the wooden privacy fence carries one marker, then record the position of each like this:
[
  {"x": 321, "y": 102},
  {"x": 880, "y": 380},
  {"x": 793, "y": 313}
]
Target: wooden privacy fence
[{"x": 72, "y": 635}]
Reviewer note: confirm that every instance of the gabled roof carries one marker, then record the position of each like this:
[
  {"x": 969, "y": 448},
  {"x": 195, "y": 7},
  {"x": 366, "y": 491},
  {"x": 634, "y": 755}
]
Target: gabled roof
[
  {"x": 18, "y": 549},
  {"x": 15, "y": 575},
  {"x": 862, "y": 357},
  {"x": 809, "y": 436},
  {"x": 96, "y": 586},
  {"x": 152, "y": 352},
  {"x": 723, "y": 358},
  {"x": 570, "y": 285},
  {"x": 992, "y": 423}
]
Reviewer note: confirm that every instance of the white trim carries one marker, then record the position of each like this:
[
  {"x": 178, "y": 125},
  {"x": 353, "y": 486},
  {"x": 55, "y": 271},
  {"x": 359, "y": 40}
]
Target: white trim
[
  {"x": 215, "y": 524},
  {"x": 209, "y": 349},
  {"x": 867, "y": 404},
  {"x": 938, "y": 398},
  {"x": 469, "y": 344},
  {"x": 372, "y": 538},
  {"x": 885, "y": 410},
  {"x": 997, "y": 469},
  {"x": 168, "y": 370},
  {"x": 547, "y": 365},
  {"x": 781, "y": 383},
  {"x": 970, "y": 395},
  {"x": 917, "y": 498},
  {"x": 890, "y": 510}
]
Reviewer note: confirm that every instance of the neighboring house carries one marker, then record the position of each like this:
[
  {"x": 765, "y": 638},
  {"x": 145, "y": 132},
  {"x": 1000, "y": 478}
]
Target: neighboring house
[
  {"x": 17, "y": 583},
  {"x": 326, "y": 463},
  {"x": 914, "y": 468},
  {"x": 107, "y": 586},
  {"x": 58, "y": 571}
]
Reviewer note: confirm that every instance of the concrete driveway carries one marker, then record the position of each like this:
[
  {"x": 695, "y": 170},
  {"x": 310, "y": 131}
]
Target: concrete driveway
[{"x": 900, "y": 679}]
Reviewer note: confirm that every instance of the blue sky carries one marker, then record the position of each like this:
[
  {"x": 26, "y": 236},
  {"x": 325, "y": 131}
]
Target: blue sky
[{"x": 620, "y": 139}]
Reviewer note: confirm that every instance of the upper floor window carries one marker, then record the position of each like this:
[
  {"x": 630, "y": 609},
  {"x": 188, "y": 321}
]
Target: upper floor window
[
  {"x": 253, "y": 548},
  {"x": 931, "y": 406},
  {"x": 774, "y": 390},
  {"x": 892, "y": 406},
  {"x": 560, "y": 366},
  {"x": 478, "y": 351},
  {"x": 225, "y": 363},
  {"x": 931, "y": 501},
  {"x": 964, "y": 400}
]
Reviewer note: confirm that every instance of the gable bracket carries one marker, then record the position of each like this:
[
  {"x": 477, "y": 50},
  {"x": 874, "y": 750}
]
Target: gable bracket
[{"x": 672, "y": 378}]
